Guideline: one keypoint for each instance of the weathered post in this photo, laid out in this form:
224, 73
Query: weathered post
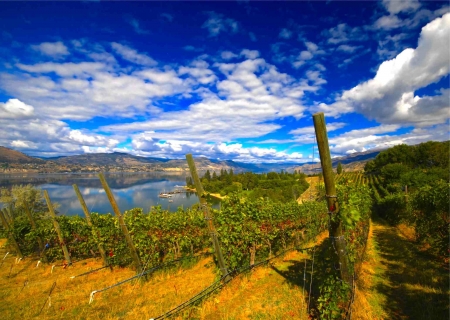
10, 233
89, 222
112, 200
207, 215
57, 228
33, 227
335, 231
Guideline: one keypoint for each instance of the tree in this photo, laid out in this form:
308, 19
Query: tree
207, 175
339, 168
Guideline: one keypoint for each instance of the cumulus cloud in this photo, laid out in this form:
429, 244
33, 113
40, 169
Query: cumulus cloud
132, 55
285, 34
384, 136
15, 109
217, 23
252, 95
344, 33
397, 6
311, 51
39, 136
347, 48
137, 26
389, 97
52, 49
310, 130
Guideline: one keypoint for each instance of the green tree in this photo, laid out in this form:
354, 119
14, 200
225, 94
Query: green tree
339, 168
207, 175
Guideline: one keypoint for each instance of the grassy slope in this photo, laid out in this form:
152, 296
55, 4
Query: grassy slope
267, 292
398, 281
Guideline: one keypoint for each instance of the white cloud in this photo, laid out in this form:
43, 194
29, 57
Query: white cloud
217, 23
388, 22
397, 6
132, 55
15, 109
389, 97
250, 54
347, 48
137, 26
167, 16
227, 55
285, 33
52, 49
344, 33
251, 96
310, 130
309, 54
383, 137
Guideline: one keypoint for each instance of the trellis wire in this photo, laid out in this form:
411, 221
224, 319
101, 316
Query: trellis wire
160, 266
220, 283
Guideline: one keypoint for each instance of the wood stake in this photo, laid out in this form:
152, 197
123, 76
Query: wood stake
10, 233
335, 231
207, 215
112, 200
57, 228
89, 222
33, 227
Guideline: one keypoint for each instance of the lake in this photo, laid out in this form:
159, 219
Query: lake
131, 190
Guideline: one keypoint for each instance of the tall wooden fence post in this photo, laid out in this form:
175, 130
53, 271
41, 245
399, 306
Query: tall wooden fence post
33, 227
207, 214
89, 222
10, 233
335, 231
112, 200
57, 228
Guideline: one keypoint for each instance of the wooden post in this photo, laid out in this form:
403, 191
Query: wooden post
57, 228
207, 215
89, 222
10, 233
134, 255
335, 231
33, 227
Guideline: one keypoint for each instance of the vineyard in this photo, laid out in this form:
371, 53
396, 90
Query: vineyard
310, 258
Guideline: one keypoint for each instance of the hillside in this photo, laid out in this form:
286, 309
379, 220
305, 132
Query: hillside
118, 162
106, 159
12, 156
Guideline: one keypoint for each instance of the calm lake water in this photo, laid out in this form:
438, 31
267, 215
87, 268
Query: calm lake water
131, 190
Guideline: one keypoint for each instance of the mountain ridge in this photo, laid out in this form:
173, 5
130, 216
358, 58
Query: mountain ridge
118, 161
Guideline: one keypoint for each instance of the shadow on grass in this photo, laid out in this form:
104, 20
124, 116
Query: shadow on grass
321, 268
414, 284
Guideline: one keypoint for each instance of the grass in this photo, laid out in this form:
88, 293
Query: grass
264, 293
396, 281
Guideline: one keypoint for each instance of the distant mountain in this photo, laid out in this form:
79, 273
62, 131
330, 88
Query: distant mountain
106, 159
121, 161
12, 156
352, 162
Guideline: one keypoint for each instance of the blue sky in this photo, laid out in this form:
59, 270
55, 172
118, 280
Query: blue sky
226, 80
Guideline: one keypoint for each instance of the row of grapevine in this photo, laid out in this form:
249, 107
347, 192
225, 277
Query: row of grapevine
263, 225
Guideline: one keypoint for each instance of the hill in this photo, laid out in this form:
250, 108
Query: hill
118, 161
12, 156
106, 159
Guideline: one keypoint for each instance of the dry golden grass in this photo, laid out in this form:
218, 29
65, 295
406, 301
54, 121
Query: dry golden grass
311, 192
366, 305
267, 292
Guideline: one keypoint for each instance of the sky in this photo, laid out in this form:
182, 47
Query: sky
237, 80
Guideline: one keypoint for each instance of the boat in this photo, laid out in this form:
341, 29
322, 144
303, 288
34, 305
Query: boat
165, 195
170, 200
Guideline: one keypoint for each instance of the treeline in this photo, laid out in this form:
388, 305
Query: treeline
280, 187
411, 185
